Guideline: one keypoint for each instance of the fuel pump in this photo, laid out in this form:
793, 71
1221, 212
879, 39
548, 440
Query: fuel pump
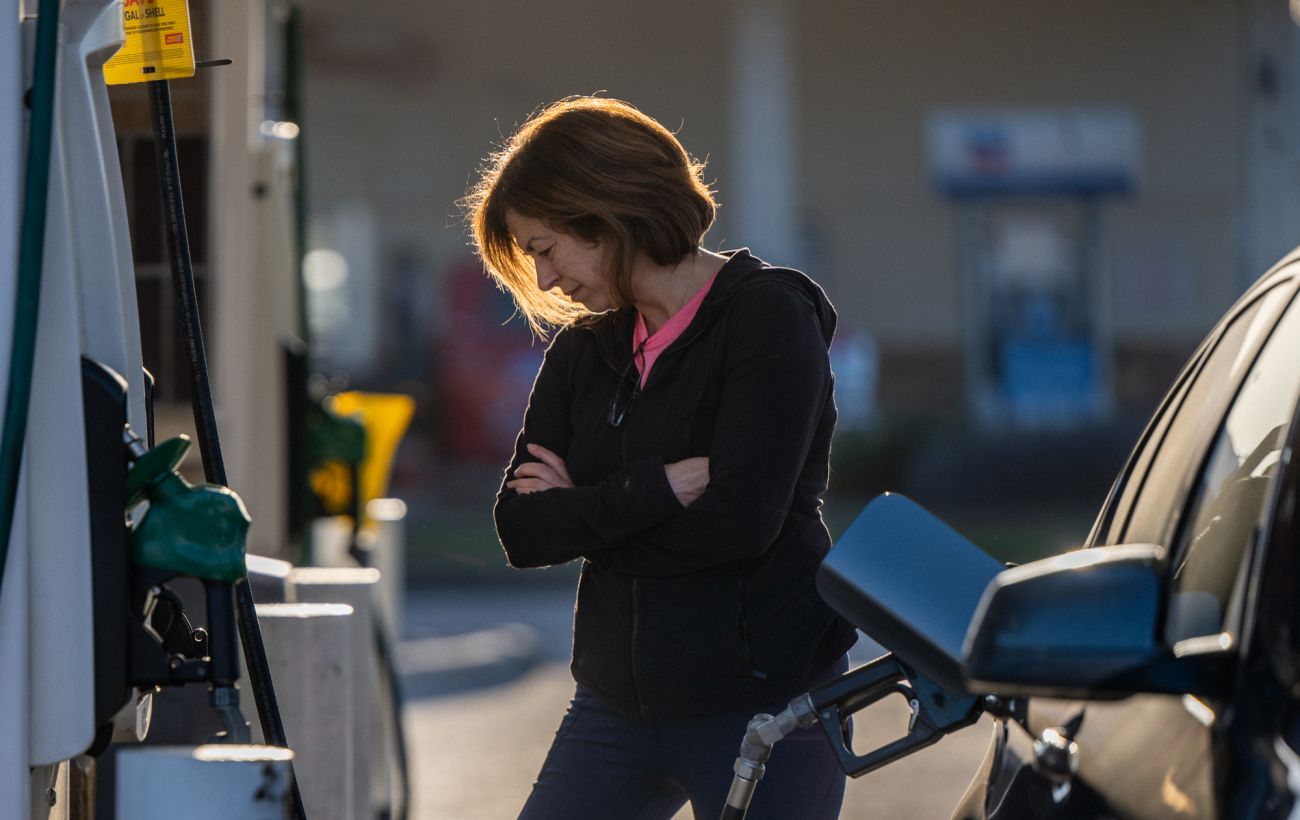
336, 448
97, 516
351, 438
178, 530
1029, 187
74, 381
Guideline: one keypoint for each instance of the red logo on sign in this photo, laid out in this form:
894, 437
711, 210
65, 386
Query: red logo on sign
173, 39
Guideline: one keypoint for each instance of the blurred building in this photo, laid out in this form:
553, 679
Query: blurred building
818, 124
814, 121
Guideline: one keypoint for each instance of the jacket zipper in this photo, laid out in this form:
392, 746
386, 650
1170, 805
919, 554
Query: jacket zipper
622, 440
637, 697
636, 681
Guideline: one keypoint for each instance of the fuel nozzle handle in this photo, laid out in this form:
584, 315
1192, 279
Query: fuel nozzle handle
935, 711
193, 530
198, 531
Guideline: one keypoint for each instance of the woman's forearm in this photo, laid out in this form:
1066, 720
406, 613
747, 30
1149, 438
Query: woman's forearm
561, 524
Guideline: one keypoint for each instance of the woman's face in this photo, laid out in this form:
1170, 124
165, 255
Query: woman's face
565, 262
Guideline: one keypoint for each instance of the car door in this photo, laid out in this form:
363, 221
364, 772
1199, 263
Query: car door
1199, 483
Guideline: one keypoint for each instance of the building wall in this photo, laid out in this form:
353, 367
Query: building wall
873, 71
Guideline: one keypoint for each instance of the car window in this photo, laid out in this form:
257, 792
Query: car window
1210, 558
1165, 469
1114, 513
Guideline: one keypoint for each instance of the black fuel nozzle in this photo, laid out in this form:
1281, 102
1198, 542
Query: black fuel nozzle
935, 711
165, 620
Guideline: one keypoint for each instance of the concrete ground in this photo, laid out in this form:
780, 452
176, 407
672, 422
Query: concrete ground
487, 681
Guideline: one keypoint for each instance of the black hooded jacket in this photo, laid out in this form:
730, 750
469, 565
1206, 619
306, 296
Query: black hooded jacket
709, 608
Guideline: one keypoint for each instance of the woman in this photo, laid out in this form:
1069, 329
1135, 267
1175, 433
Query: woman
677, 441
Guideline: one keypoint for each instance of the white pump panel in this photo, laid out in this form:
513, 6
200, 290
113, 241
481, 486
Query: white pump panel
87, 306
61, 694
110, 322
57, 538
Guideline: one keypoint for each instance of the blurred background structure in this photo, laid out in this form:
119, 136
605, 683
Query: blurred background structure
1026, 216
1026, 221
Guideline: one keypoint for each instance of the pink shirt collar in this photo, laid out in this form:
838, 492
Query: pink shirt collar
651, 346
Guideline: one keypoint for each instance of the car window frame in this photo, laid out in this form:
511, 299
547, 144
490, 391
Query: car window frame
1250, 561
1271, 627
1158, 424
1116, 517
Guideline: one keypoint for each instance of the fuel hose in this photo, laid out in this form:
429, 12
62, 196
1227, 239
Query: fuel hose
205, 421
31, 247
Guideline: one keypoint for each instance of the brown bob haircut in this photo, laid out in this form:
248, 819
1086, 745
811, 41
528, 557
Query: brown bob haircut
597, 169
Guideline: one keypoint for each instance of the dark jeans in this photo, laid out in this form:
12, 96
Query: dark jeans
604, 765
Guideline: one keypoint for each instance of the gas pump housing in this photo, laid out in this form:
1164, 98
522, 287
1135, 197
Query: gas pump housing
1029, 188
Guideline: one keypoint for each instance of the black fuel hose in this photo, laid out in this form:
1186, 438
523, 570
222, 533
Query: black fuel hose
205, 420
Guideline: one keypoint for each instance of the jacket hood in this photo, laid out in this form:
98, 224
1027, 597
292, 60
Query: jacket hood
744, 270
741, 271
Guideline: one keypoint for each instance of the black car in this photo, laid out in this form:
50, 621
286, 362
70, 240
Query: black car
1154, 673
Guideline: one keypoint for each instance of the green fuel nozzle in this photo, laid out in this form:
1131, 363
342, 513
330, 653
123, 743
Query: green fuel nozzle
333, 436
193, 530
198, 532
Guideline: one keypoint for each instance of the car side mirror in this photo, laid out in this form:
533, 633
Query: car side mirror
1085, 625
911, 582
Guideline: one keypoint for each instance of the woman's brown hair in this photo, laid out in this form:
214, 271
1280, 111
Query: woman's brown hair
594, 168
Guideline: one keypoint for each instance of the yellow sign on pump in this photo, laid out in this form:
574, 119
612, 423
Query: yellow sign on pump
386, 417
158, 44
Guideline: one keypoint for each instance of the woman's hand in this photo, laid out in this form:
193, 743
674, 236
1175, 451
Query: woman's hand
688, 478
546, 474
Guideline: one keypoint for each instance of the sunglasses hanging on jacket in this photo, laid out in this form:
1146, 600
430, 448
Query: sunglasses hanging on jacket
624, 397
